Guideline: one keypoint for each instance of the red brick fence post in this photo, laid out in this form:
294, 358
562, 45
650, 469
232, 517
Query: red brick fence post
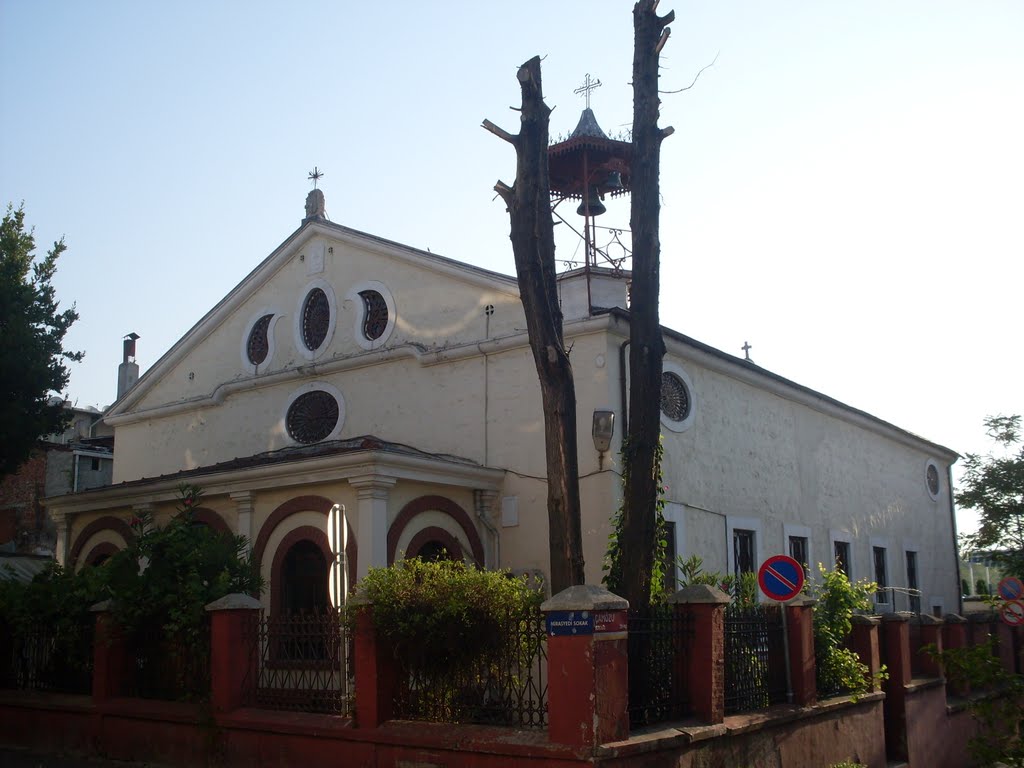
234, 645
588, 696
110, 662
376, 672
803, 673
896, 645
929, 633
864, 642
705, 658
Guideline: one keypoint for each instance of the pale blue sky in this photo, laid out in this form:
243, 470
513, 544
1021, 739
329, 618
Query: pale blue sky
843, 189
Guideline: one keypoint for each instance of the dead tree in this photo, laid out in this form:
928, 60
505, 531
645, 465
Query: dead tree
647, 347
533, 244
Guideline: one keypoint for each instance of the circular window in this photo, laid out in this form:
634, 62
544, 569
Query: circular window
312, 416
932, 479
375, 314
258, 345
675, 397
316, 319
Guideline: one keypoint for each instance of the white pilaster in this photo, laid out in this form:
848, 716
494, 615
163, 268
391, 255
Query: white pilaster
372, 492
244, 502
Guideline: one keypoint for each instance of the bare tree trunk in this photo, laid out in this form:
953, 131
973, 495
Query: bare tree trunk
533, 244
646, 344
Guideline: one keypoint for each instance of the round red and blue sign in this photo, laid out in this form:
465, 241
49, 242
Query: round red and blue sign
781, 578
1011, 588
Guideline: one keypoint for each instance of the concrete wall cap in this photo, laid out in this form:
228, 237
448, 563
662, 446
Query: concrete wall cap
898, 616
585, 597
860, 618
981, 617
234, 602
801, 601
699, 593
103, 606
954, 618
926, 619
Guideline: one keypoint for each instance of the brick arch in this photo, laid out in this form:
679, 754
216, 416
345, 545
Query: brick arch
210, 518
451, 544
302, 504
440, 504
103, 549
302, 533
107, 522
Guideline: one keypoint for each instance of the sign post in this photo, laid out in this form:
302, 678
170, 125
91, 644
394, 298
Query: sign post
781, 578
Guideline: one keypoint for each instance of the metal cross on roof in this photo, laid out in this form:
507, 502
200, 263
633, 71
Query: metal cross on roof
746, 349
587, 87
315, 175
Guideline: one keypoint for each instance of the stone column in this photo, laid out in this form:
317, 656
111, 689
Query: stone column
372, 492
930, 634
800, 630
704, 606
234, 645
375, 670
896, 644
588, 675
864, 642
110, 662
244, 503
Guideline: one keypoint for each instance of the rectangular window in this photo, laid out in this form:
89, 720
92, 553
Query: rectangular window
95, 465
881, 576
798, 551
915, 598
842, 557
743, 551
670, 557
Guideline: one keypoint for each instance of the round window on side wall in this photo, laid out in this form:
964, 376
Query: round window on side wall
932, 479
677, 400
315, 413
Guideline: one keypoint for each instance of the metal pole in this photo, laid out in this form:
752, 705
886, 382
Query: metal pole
785, 652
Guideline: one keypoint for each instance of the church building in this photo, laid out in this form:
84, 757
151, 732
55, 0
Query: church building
348, 371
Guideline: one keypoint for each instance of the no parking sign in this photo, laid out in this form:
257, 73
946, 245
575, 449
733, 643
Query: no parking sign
781, 578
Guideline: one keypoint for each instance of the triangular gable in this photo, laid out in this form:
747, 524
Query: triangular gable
263, 273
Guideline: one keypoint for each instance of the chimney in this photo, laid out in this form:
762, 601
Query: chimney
128, 370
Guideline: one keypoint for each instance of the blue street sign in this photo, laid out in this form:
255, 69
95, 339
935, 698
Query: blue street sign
570, 623
781, 578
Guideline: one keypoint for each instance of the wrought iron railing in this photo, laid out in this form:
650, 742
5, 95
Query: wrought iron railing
505, 686
303, 663
50, 657
169, 666
659, 641
755, 671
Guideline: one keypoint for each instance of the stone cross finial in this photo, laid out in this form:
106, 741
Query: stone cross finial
746, 349
315, 205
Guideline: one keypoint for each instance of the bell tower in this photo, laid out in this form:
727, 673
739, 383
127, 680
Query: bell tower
589, 166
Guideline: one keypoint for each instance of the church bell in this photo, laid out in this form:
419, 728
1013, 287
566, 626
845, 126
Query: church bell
591, 204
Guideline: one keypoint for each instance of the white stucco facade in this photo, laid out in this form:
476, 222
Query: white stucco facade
439, 433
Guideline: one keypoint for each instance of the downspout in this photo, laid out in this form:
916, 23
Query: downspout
956, 555
623, 402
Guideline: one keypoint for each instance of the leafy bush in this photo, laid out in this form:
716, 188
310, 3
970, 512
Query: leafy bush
166, 577
444, 613
839, 668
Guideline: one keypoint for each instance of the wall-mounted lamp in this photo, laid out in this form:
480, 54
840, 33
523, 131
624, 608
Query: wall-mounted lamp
604, 428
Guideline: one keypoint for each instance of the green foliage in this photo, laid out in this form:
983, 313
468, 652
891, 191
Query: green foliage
839, 668
168, 575
612, 566
964, 588
993, 485
997, 703
32, 329
444, 613
742, 590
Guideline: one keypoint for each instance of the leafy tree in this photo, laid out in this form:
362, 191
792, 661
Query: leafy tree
32, 354
993, 485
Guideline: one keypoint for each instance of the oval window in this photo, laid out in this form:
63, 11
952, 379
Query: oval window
316, 319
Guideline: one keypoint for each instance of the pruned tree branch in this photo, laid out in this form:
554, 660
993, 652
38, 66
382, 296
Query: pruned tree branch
501, 133
706, 66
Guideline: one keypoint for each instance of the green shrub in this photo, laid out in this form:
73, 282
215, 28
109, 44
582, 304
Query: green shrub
838, 668
445, 613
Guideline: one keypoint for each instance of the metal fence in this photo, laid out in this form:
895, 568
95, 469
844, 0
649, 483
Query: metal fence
505, 686
169, 667
49, 657
303, 663
659, 640
755, 665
